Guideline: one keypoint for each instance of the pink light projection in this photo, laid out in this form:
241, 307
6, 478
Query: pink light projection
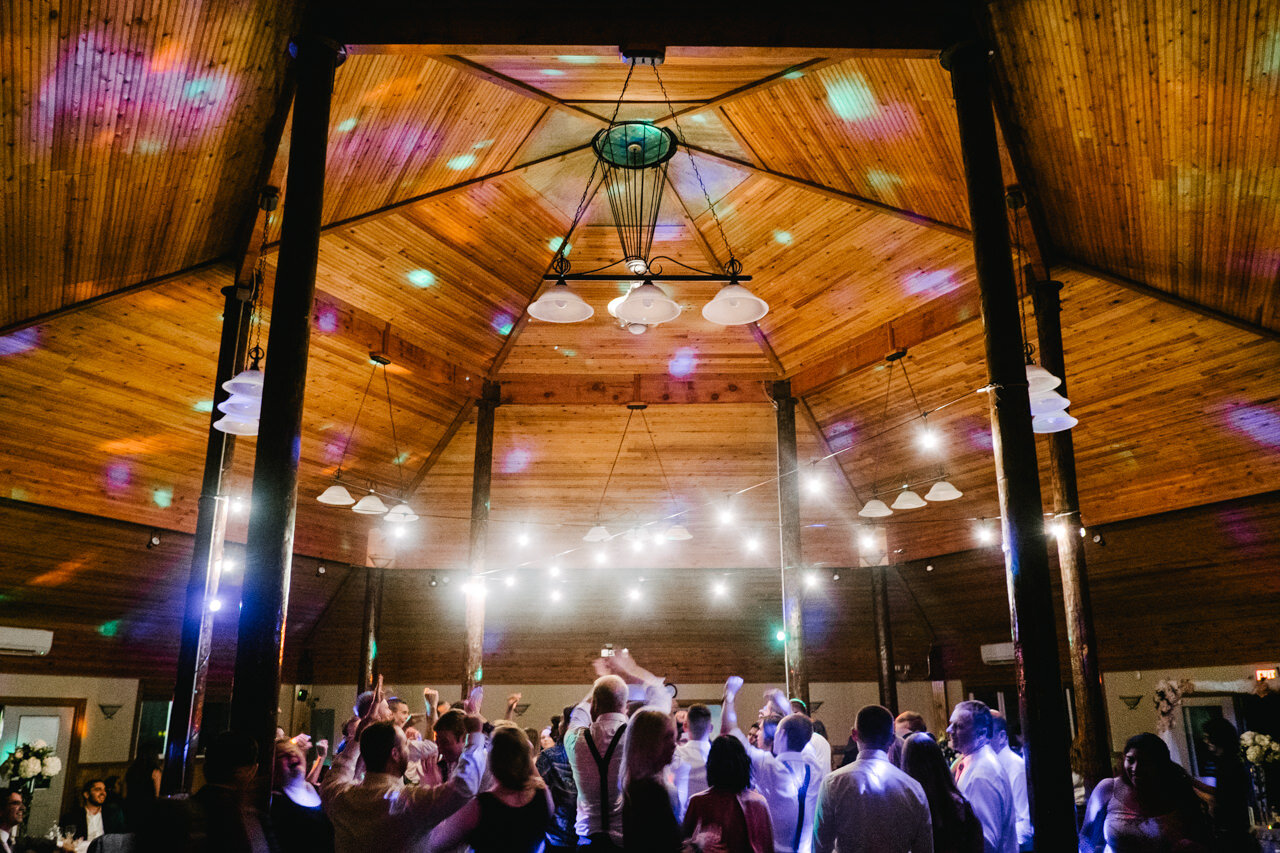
516, 460
95, 75
683, 362
117, 476
1260, 423
931, 282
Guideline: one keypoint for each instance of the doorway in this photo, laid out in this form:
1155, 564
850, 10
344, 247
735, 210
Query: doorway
57, 722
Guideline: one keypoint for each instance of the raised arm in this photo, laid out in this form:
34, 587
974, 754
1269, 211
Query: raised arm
322, 750
728, 710
655, 692
431, 698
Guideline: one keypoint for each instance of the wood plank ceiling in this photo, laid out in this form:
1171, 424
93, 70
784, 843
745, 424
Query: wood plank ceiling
451, 178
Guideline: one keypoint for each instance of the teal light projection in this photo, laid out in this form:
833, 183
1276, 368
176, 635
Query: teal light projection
851, 98
462, 161
202, 406
347, 125
162, 497
421, 278
783, 237
579, 60
555, 243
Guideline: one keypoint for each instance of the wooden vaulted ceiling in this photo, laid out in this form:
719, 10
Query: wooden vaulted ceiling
136, 140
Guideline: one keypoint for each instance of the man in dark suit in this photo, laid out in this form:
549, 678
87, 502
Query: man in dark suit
94, 817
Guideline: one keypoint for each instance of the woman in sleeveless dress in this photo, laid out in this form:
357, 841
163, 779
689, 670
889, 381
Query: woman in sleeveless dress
729, 817
1149, 807
955, 827
512, 816
649, 822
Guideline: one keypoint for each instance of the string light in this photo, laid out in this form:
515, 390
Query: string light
726, 516
752, 544
555, 595
215, 604
601, 557
239, 505
633, 594
522, 539
811, 579
985, 535
554, 571
509, 580
929, 439
867, 540
813, 484
719, 589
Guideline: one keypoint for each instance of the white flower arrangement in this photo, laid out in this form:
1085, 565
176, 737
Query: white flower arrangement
31, 761
1259, 749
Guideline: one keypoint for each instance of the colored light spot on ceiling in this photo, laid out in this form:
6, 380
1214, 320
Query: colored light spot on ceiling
793, 75
933, 282
783, 237
20, 341
851, 98
569, 353
17, 494
197, 88
483, 143
981, 439
682, 362
841, 435
118, 475
516, 460
555, 242
202, 406
1258, 422
1268, 57
327, 320
162, 498
149, 146
503, 324
346, 125
401, 459
553, 72
109, 629
698, 118
579, 60
462, 161
421, 278
885, 183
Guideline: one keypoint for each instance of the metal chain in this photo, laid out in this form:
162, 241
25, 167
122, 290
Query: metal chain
395, 442
694, 163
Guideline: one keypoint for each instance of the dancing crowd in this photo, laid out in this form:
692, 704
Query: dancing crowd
625, 770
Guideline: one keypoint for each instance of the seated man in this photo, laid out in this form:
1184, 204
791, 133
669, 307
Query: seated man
94, 818
381, 811
788, 776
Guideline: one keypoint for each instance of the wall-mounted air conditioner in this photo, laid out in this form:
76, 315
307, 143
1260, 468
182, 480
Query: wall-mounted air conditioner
996, 654
29, 642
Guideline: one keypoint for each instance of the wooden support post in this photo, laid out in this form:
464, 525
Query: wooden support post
482, 474
1093, 741
1044, 717
792, 559
269, 552
884, 638
187, 710
368, 674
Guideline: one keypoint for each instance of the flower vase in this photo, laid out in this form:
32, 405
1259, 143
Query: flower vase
1261, 806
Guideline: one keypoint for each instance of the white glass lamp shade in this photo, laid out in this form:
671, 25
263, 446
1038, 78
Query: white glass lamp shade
560, 305
943, 491
336, 495
242, 406
1052, 423
875, 508
678, 533
908, 499
1039, 379
401, 513
235, 425
599, 533
734, 305
1048, 403
370, 504
246, 382
647, 304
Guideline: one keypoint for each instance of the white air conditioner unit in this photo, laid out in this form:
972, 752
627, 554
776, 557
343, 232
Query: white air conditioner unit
996, 654
28, 642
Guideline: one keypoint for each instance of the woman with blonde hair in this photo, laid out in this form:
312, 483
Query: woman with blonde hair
299, 821
513, 815
649, 822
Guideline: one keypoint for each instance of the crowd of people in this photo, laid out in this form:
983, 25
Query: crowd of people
624, 770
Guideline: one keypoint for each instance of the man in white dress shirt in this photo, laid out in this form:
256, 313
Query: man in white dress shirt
981, 779
690, 766
870, 806
11, 817
1015, 767
381, 811
788, 777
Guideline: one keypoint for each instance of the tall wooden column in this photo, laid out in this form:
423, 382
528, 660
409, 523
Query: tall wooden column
481, 477
1044, 718
1092, 736
269, 553
884, 638
792, 560
206, 559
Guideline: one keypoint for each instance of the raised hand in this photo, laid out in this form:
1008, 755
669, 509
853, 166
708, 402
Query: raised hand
474, 701
322, 748
732, 685
304, 741
431, 697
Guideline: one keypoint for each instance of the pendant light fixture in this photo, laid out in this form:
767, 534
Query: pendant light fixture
907, 499
676, 532
875, 508
371, 503
632, 158
241, 411
598, 532
943, 491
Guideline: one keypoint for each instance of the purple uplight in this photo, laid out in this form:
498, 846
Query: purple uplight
931, 282
327, 320
20, 341
981, 439
1239, 527
1260, 423
683, 362
503, 323
118, 475
516, 460
841, 435
333, 449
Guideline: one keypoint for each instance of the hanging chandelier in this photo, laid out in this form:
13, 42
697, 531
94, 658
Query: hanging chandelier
242, 410
632, 158
371, 503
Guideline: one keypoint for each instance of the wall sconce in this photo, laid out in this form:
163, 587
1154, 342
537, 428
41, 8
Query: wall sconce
109, 711
1131, 702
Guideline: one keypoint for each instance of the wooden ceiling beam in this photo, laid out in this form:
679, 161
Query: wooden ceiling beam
484, 72
929, 25
911, 329
603, 390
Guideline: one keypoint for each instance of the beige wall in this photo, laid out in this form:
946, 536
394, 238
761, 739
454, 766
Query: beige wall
103, 740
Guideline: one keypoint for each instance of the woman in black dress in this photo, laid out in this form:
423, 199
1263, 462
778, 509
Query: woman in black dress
955, 827
300, 825
511, 817
649, 822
